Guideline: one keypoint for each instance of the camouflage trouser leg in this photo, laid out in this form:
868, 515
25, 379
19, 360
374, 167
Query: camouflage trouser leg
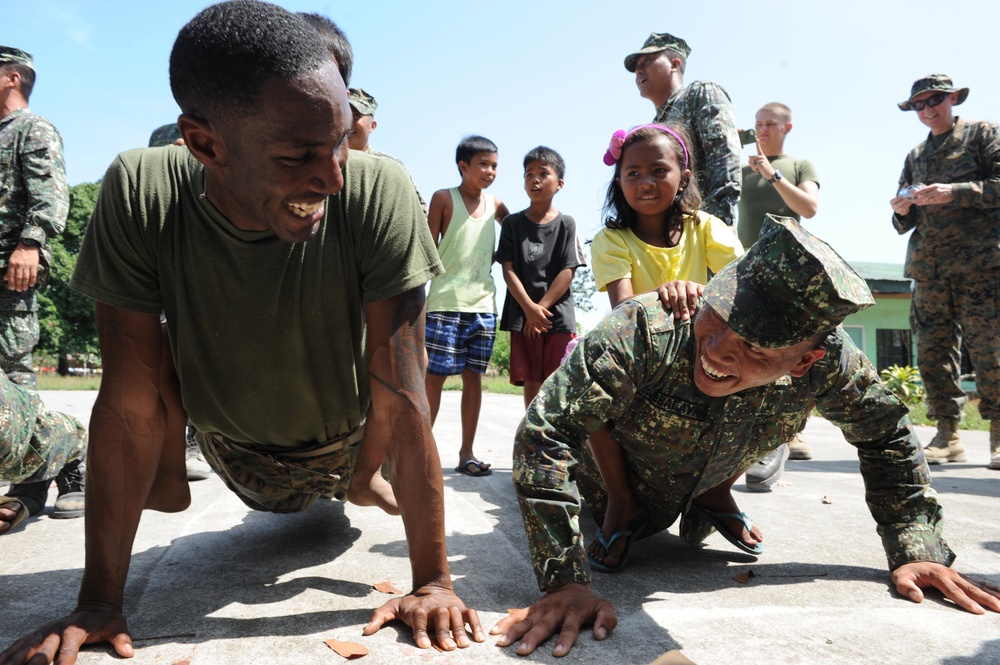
35, 444
18, 338
979, 308
935, 321
273, 482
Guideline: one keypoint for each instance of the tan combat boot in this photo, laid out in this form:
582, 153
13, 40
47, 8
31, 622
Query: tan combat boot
945, 446
994, 445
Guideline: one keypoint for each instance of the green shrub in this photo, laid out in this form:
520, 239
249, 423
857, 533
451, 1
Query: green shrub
905, 383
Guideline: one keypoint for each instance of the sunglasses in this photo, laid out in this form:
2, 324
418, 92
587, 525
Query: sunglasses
930, 101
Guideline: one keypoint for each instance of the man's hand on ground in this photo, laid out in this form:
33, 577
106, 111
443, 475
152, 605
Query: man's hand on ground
430, 609
566, 609
681, 298
972, 595
60, 641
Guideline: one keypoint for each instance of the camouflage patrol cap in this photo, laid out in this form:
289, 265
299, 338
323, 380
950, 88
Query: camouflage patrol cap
15, 56
658, 41
788, 287
165, 135
933, 83
362, 102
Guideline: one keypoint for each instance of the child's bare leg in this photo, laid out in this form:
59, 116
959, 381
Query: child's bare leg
472, 401
434, 384
368, 487
622, 506
720, 499
531, 389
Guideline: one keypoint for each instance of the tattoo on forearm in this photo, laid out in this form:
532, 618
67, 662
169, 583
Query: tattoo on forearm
406, 348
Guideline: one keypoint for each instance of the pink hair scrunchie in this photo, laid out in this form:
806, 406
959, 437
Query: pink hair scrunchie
614, 151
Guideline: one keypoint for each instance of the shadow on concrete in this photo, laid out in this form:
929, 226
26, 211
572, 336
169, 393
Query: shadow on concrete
988, 654
174, 591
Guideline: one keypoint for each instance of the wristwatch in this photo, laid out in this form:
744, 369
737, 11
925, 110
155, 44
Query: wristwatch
30, 242
776, 178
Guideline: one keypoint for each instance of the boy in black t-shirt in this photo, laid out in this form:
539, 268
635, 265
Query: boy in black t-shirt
539, 251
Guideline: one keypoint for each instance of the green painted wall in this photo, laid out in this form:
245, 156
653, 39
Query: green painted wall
886, 314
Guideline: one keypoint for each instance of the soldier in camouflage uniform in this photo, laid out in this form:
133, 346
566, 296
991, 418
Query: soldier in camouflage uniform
34, 201
691, 404
704, 108
35, 445
363, 108
953, 257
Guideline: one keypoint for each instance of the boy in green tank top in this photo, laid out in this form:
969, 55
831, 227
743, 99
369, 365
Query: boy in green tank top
461, 312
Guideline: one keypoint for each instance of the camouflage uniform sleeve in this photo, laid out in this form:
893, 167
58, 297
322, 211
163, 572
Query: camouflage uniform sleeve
712, 119
904, 223
594, 385
983, 193
44, 174
897, 482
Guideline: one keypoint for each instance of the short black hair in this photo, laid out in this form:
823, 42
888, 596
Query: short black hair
27, 75
336, 43
470, 145
226, 53
548, 156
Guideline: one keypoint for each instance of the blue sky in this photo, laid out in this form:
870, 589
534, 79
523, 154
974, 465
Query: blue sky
530, 73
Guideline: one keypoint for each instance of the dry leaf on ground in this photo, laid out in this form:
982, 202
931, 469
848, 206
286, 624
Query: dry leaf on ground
744, 577
348, 650
827, 499
387, 587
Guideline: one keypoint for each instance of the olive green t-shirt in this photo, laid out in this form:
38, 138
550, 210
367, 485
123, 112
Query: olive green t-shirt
759, 197
268, 336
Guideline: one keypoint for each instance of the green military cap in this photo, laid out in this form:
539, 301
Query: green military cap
933, 83
362, 102
164, 135
788, 287
15, 56
658, 41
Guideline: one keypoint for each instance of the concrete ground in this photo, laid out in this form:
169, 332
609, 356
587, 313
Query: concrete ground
221, 584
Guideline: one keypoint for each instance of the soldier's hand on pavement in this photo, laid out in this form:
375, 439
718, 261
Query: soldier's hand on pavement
431, 609
681, 297
911, 578
567, 609
22, 268
60, 641
935, 194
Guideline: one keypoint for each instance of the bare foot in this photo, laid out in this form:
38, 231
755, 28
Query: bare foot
721, 500
8, 513
378, 492
618, 516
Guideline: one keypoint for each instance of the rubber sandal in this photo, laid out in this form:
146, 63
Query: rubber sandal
19, 517
483, 470
632, 529
715, 519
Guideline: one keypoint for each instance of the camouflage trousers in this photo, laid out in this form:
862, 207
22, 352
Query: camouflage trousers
18, 338
35, 444
282, 480
944, 314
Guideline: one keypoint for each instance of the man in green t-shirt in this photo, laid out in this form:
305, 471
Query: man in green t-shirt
292, 278
777, 184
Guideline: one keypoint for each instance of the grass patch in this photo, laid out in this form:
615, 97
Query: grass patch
491, 384
49, 381
972, 420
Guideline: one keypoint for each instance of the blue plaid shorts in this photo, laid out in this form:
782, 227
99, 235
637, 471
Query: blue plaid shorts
459, 340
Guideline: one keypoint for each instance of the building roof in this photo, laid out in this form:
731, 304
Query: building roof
883, 277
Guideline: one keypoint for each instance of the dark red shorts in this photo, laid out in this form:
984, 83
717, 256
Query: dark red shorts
533, 359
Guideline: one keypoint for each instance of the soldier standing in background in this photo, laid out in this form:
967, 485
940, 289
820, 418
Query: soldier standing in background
704, 108
953, 257
34, 201
363, 108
